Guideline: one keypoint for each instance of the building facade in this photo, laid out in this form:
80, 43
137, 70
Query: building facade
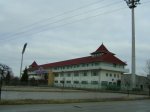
142, 82
100, 69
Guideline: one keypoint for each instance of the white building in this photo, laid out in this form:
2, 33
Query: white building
100, 69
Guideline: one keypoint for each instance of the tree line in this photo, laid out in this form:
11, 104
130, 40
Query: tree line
7, 77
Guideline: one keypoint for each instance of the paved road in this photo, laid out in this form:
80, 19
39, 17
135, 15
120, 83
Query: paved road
120, 106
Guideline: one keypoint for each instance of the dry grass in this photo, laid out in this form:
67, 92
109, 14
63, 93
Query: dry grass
30, 101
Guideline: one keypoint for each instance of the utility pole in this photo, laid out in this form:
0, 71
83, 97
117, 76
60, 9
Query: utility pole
132, 4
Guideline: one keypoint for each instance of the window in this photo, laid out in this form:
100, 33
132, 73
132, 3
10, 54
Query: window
83, 65
104, 83
68, 74
55, 68
84, 73
110, 75
94, 82
94, 73
61, 75
76, 82
110, 83
56, 81
76, 74
68, 82
96, 64
106, 74
114, 65
62, 81
56, 74
114, 75
84, 82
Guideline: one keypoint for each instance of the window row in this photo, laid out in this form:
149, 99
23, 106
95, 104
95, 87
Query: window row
77, 82
76, 74
112, 75
106, 83
77, 66
103, 83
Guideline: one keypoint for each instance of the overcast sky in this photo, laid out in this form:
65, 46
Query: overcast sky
57, 30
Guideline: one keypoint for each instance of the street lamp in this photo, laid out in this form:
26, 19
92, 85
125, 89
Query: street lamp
23, 50
132, 4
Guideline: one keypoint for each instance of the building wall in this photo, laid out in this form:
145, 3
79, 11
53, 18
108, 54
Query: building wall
141, 82
91, 75
87, 78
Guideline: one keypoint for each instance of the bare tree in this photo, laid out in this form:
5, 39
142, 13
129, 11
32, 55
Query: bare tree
147, 67
3, 70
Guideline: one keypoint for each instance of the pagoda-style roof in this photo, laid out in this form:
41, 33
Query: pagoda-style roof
101, 49
34, 64
105, 56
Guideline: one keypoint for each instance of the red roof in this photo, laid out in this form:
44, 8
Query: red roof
110, 58
34, 64
105, 57
101, 49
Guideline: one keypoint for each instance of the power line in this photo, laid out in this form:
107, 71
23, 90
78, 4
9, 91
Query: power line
28, 30
59, 15
45, 29
104, 13
64, 19
67, 12
84, 13
100, 14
